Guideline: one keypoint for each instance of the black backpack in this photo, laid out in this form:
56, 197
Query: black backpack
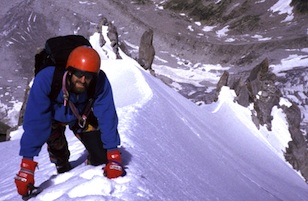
55, 53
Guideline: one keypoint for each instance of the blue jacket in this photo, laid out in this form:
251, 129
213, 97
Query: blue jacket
40, 112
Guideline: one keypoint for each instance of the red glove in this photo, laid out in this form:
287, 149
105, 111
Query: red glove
24, 180
114, 166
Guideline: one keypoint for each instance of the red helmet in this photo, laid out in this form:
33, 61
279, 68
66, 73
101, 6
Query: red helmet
84, 58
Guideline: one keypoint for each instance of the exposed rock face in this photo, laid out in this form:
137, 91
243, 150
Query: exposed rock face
300, 5
263, 92
3, 131
259, 88
112, 35
146, 50
223, 81
297, 153
102, 22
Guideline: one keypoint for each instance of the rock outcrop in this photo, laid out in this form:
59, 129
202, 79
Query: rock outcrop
300, 5
112, 34
146, 50
260, 90
296, 153
3, 131
223, 81
113, 37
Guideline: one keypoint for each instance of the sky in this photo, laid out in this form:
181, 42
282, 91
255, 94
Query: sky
172, 149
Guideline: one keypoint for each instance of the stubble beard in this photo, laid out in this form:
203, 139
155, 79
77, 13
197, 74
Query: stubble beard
79, 87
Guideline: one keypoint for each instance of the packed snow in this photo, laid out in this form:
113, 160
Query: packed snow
283, 7
171, 148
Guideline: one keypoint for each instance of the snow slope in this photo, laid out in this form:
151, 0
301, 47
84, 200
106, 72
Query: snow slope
173, 150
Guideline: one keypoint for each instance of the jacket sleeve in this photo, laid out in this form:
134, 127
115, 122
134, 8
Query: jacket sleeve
38, 115
105, 112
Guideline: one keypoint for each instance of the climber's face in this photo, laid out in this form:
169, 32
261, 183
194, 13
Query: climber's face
80, 81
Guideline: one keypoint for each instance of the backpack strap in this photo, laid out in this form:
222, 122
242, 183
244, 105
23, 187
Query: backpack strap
91, 96
56, 83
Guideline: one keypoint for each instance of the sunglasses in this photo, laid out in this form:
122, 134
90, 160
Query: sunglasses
80, 74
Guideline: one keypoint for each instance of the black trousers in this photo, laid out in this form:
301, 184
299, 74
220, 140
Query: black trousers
90, 137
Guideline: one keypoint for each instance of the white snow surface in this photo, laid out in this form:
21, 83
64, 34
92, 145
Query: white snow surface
172, 149
283, 7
